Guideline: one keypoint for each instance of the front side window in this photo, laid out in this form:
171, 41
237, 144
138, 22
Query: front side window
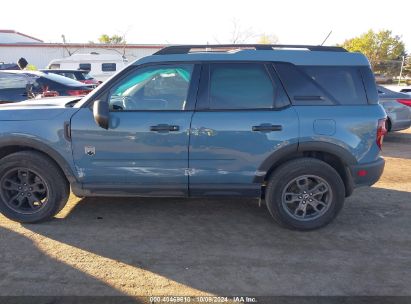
156, 88
240, 86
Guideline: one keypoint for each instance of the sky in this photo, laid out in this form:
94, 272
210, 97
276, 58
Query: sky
201, 22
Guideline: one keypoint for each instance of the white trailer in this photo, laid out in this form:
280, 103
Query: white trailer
100, 66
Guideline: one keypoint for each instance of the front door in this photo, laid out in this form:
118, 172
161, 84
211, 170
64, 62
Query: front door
145, 149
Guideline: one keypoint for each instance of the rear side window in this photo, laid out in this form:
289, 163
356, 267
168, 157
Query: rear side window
108, 67
240, 86
322, 85
85, 66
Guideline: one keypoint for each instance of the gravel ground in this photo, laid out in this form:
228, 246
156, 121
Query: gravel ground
142, 247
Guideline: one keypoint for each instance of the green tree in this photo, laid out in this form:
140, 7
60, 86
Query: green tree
115, 39
377, 46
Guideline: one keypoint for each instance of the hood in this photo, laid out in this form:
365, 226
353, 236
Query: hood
37, 109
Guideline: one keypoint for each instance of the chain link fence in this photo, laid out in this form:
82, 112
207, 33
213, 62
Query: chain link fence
392, 72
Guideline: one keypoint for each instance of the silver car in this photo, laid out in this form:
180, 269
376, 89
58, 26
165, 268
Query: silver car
399, 114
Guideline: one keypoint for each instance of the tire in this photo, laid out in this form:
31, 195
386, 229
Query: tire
291, 207
32, 187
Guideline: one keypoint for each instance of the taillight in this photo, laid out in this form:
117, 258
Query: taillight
381, 131
50, 94
47, 93
406, 102
78, 92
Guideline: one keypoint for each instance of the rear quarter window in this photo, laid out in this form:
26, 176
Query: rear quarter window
322, 85
343, 83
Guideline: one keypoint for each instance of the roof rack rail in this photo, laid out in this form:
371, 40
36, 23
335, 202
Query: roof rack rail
185, 49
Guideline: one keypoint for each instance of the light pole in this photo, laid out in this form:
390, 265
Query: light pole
402, 66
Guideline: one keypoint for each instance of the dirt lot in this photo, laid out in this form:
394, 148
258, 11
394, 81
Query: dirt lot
191, 247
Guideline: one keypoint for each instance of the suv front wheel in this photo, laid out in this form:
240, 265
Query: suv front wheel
305, 194
32, 187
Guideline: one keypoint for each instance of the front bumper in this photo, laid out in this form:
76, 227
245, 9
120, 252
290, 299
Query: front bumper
367, 174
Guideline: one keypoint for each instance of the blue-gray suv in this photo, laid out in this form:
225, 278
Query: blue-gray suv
298, 127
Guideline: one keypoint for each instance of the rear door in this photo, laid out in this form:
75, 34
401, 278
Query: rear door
242, 117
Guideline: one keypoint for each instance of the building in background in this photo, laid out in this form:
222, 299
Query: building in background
14, 45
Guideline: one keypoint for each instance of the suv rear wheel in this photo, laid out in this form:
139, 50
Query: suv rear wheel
32, 187
305, 194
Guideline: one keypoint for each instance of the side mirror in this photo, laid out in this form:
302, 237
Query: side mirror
101, 113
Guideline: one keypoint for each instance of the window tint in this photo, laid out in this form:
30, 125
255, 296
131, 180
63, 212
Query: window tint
369, 84
343, 83
108, 67
85, 66
162, 87
12, 81
240, 86
300, 87
322, 85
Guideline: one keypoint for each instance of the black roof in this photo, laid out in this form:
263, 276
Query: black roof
184, 49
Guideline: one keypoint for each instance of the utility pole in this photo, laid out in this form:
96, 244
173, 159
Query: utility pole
402, 67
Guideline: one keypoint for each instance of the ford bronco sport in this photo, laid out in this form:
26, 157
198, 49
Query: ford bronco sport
298, 127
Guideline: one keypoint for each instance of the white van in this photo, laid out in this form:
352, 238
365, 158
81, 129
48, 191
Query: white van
100, 66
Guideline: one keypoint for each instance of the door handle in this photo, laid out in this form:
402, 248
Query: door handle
267, 128
164, 128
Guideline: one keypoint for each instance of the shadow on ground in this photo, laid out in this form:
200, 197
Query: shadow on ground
28, 272
232, 247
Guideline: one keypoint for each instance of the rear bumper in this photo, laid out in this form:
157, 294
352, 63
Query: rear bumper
367, 174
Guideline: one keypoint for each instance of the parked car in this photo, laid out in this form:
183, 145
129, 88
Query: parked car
382, 79
299, 129
398, 108
100, 66
79, 75
8, 66
17, 86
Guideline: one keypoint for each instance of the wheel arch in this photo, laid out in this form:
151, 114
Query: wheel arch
336, 156
15, 144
